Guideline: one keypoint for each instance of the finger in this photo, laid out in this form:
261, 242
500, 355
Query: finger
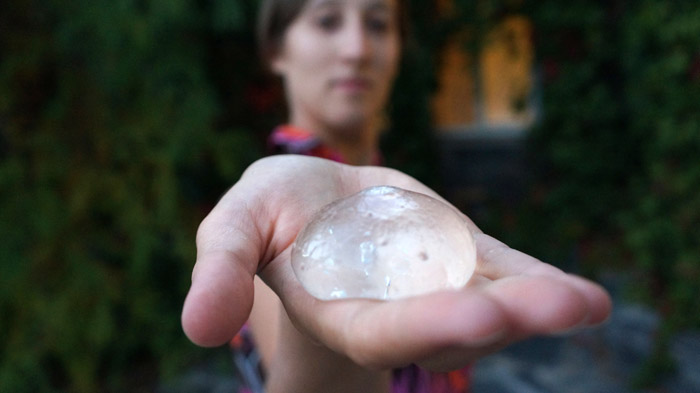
598, 299
219, 300
497, 261
380, 334
229, 248
412, 330
534, 305
252, 223
539, 305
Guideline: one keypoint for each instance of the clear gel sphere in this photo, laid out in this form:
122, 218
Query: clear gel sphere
384, 243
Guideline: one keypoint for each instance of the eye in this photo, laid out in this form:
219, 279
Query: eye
328, 22
379, 24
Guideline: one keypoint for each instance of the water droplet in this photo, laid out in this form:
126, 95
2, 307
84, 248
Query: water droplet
384, 243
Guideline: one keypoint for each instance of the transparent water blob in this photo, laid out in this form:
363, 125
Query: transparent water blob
384, 243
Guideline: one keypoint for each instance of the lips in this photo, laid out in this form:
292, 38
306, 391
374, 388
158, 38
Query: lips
353, 84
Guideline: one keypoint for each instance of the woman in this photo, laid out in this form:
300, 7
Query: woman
338, 59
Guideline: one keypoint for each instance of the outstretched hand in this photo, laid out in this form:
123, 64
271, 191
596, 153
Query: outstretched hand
511, 296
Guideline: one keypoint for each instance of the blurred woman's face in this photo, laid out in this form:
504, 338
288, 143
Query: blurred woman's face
338, 60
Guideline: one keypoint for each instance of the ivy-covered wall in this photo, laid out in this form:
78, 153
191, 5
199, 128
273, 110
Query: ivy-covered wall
615, 176
619, 141
121, 123
619, 179
661, 59
114, 143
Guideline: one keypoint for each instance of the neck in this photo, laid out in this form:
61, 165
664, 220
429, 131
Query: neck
357, 155
357, 145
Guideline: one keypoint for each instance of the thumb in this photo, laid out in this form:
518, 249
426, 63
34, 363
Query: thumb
229, 248
219, 300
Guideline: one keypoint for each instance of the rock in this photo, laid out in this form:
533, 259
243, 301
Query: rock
685, 351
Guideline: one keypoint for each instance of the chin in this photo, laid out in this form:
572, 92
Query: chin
354, 118
351, 124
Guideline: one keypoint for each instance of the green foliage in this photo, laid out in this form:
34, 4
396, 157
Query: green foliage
587, 154
619, 138
617, 149
662, 64
121, 122
110, 155
410, 123
617, 183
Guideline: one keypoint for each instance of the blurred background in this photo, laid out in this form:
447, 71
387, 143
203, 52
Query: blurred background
570, 130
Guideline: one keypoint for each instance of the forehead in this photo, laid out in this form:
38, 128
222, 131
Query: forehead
365, 4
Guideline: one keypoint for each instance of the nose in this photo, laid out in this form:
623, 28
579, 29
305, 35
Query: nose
355, 44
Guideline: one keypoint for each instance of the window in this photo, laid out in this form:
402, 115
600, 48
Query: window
492, 92
482, 110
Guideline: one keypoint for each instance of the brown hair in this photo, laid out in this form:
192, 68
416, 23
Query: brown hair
275, 16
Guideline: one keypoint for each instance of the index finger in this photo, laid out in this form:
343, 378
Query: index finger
497, 261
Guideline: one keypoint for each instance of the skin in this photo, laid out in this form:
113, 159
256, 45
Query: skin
351, 343
338, 61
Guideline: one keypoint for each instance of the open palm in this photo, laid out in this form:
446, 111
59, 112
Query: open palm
512, 296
